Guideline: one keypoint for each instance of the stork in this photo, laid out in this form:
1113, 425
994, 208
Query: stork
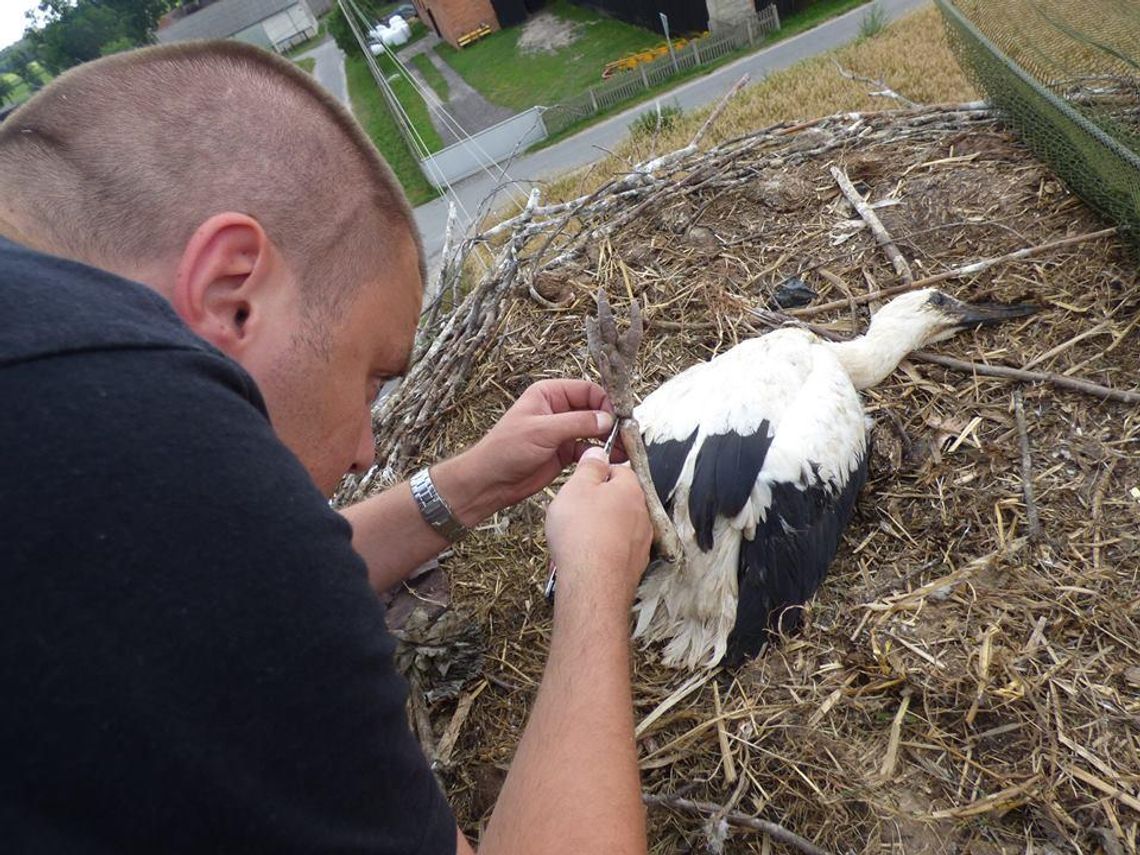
757, 457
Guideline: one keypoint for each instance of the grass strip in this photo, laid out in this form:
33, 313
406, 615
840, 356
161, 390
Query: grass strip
432, 75
374, 116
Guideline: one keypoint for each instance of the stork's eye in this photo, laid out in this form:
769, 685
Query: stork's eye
937, 299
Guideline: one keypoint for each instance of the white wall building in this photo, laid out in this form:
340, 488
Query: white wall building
273, 24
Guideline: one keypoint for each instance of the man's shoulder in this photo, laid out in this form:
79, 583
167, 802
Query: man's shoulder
52, 306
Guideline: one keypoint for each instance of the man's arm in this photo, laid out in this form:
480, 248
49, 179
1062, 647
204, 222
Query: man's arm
573, 785
391, 534
525, 451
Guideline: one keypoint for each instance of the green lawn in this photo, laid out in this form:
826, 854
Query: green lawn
372, 112
432, 75
494, 66
308, 64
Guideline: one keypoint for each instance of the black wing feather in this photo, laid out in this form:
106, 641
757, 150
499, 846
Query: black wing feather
666, 460
723, 478
787, 560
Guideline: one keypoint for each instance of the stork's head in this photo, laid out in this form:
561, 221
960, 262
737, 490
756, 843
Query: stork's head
930, 315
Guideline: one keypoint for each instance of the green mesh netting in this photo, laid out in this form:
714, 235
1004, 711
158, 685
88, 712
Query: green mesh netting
1067, 75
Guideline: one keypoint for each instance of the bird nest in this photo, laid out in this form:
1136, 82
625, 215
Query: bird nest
968, 677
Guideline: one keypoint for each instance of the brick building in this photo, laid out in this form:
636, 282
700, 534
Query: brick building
454, 19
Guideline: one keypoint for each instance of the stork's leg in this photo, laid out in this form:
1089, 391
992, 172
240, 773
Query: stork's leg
615, 356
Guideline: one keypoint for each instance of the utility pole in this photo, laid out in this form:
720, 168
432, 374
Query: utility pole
668, 40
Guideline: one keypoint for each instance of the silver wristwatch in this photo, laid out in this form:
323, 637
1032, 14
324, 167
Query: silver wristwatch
434, 509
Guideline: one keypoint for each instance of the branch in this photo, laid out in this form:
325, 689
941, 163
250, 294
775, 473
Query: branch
715, 114
954, 273
874, 223
775, 831
885, 91
1095, 389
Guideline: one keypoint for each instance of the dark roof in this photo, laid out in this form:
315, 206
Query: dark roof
222, 19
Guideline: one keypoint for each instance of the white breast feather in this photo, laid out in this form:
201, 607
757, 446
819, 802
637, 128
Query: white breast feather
815, 416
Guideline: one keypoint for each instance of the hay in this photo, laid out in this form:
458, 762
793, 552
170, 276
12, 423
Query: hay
956, 686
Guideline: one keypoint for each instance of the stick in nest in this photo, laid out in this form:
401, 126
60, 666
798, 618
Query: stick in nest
615, 355
874, 223
1026, 468
775, 831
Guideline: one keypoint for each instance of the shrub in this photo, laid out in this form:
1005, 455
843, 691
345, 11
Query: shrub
656, 120
874, 21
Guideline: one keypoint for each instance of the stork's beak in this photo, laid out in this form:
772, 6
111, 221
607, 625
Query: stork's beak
966, 315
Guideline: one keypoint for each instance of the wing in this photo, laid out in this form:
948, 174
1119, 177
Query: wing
786, 561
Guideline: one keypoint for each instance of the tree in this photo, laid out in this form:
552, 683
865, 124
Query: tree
337, 27
6, 88
68, 32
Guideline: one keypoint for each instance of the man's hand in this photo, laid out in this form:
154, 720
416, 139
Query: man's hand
599, 534
531, 444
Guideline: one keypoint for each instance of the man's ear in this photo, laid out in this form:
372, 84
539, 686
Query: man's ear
227, 278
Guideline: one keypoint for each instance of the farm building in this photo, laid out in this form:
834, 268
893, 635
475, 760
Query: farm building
272, 24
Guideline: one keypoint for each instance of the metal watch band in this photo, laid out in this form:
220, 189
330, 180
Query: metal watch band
434, 509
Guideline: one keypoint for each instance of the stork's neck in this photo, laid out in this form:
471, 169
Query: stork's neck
869, 358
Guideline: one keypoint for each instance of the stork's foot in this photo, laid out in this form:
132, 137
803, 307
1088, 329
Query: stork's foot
615, 355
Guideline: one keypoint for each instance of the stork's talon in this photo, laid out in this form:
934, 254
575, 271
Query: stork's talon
615, 355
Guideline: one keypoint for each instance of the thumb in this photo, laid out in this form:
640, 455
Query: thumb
593, 467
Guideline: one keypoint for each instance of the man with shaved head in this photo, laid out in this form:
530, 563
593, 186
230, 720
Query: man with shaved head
206, 274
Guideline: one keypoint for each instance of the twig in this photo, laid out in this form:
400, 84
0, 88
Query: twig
874, 223
955, 273
885, 91
1026, 468
722, 737
774, 830
1089, 388
1098, 509
718, 109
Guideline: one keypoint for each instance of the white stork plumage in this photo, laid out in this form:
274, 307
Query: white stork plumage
758, 456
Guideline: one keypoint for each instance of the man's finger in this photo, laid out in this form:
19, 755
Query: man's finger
563, 427
593, 467
567, 395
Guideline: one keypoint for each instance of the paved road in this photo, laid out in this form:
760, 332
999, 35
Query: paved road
329, 70
592, 143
